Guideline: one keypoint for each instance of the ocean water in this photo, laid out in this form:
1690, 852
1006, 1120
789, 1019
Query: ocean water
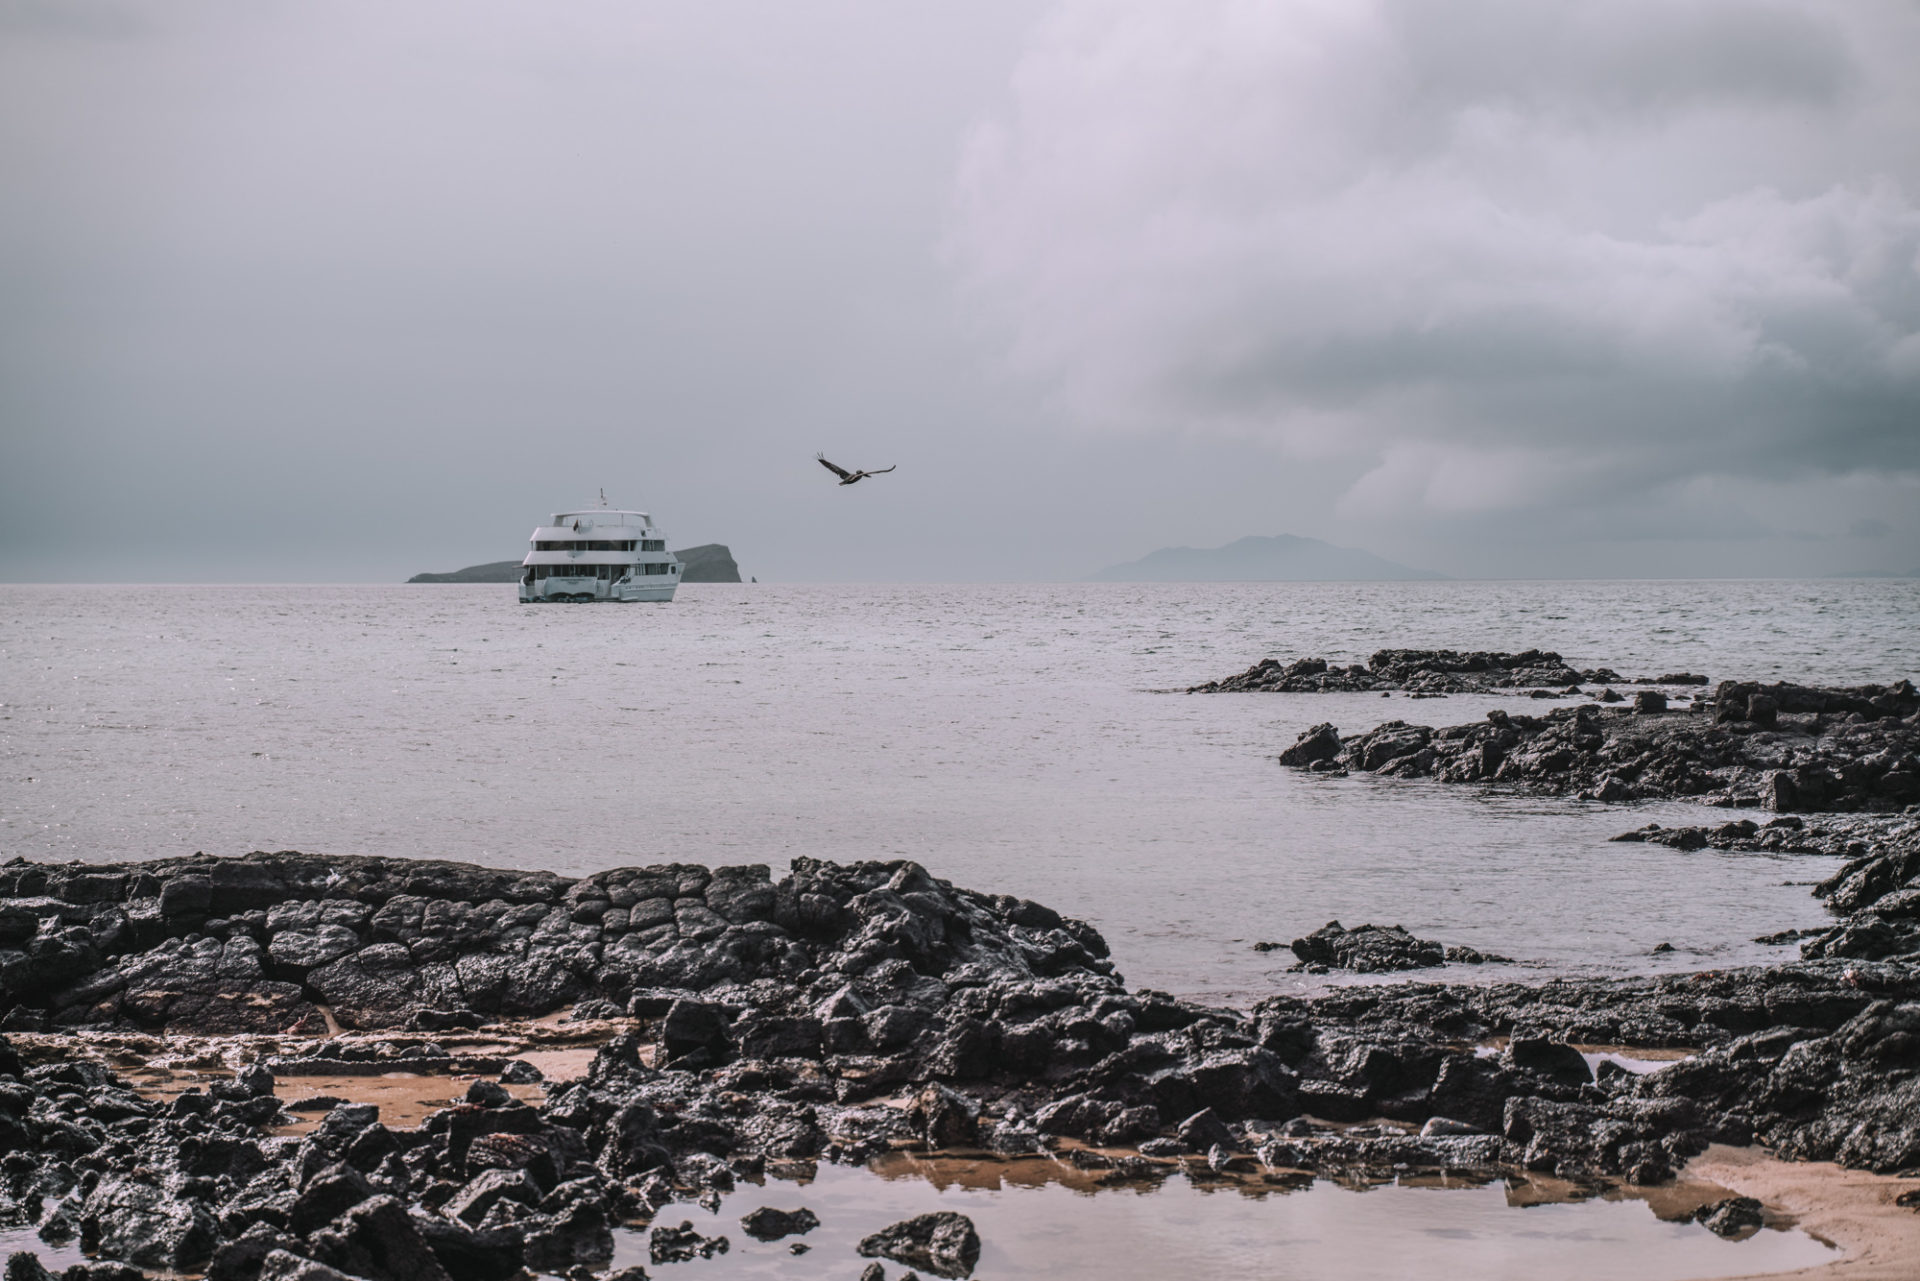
1010, 738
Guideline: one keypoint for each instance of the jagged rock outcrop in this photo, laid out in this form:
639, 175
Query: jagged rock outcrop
945, 1243
1428, 671
260, 943
1375, 949
1785, 747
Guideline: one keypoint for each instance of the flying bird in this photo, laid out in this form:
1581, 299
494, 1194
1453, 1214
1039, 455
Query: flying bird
849, 477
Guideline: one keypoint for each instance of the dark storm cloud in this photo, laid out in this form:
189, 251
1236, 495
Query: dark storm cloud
1514, 255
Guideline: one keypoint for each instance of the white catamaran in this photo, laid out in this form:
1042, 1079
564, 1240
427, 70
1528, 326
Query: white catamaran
599, 554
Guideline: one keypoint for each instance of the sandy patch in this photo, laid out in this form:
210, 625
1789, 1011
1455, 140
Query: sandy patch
162, 1066
1851, 1209
405, 1099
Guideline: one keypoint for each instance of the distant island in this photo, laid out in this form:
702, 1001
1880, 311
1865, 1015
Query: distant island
707, 563
1281, 558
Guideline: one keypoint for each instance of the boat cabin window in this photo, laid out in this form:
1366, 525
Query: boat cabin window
605, 573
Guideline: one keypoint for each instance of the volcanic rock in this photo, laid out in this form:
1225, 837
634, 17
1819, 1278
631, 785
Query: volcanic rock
945, 1243
968, 1004
1846, 750
1367, 949
769, 1224
1425, 671
678, 1245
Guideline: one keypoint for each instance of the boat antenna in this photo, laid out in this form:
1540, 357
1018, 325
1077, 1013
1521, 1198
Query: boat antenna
603, 496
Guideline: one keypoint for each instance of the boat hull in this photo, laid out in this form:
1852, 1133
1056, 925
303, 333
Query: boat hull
587, 593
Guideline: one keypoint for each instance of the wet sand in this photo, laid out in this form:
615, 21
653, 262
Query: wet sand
163, 1067
405, 1099
1852, 1209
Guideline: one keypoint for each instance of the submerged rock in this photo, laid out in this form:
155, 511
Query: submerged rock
945, 1244
1367, 949
1736, 1216
768, 1224
678, 1245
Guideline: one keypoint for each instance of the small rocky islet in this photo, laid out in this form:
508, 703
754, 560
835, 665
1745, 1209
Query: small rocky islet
1374, 949
749, 1026
1783, 747
1429, 672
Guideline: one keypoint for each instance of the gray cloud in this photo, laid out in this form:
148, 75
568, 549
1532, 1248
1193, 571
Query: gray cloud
378, 284
1588, 64
1514, 256
358, 289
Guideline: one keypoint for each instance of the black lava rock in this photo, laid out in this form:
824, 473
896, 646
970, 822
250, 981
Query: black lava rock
768, 1224
945, 1244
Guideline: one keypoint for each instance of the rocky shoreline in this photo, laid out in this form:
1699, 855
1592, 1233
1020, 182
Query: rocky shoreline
837, 1014
1782, 746
740, 1025
1851, 755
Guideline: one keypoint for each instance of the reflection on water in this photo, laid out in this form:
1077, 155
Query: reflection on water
1042, 1217
55, 1258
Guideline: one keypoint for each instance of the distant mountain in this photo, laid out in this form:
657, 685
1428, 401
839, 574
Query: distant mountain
1282, 558
707, 563
1877, 573
494, 571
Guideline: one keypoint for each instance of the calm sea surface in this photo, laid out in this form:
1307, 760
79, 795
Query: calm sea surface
1011, 738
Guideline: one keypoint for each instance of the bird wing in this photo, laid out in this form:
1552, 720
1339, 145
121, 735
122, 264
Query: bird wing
841, 472
882, 470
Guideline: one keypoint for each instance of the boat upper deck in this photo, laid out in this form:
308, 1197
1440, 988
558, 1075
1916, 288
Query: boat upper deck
607, 521
600, 536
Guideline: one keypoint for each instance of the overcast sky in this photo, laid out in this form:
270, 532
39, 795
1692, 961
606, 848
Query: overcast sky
346, 291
